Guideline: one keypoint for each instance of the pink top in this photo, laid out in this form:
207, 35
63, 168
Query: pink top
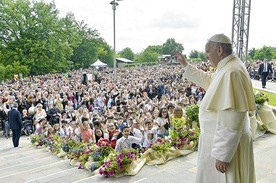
87, 135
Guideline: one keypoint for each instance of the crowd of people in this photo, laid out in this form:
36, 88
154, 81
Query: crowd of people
140, 101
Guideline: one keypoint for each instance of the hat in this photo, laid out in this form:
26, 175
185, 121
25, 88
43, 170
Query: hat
39, 105
220, 38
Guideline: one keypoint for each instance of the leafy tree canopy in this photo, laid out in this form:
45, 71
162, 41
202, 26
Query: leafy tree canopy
127, 53
171, 46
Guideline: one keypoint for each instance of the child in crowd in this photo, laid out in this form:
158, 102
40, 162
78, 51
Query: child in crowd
150, 134
137, 127
97, 125
86, 132
40, 126
170, 110
126, 141
112, 134
58, 130
178, 119
99, 134
163, 123
76, 133
50, 132
67, 129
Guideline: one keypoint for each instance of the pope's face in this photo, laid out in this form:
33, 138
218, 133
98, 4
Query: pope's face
211, 51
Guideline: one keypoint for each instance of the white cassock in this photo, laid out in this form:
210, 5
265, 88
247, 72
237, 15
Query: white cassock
224, 122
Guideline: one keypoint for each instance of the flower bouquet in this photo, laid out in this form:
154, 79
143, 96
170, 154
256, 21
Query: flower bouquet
85, 154
185, 139
161, 145
98, 154
159, 152
118, 164
76, 152
68, 145
34, 139
56, 145
181, 143
37, 140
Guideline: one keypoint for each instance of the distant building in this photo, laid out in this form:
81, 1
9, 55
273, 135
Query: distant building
168, 59
164, 58
122, 62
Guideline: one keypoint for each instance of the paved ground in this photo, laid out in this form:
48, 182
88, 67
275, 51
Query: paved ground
270, 86
30, 165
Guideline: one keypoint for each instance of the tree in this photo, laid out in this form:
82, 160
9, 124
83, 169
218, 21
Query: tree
105, 52
198, 55
156, 48
171, 46
148, 56
86, 52
127, 53
33, 35
264, 53
251, 54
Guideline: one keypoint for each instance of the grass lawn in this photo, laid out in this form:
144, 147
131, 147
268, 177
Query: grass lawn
271, 96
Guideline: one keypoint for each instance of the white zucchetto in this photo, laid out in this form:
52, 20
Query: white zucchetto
220, 38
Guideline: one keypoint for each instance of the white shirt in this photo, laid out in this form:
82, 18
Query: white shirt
149, 137
126, 143
161, 122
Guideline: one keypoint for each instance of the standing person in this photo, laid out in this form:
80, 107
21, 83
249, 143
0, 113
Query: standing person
15, 121
225, 152
264, 70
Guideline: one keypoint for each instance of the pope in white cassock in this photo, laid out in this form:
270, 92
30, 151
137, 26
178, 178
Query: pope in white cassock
225, 152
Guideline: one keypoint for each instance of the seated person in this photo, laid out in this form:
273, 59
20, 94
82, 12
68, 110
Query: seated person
150, 134
126, 141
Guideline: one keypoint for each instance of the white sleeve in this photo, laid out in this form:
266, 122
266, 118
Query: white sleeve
135, 139
105, 135
230, 125
197, 76
118, 146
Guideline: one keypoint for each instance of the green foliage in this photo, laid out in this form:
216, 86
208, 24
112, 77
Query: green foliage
171, 46
251, 53
260, 98
127, 53
161, 145
148, 56
118, 163
32, 35
192, 114
197, 55
105, 53
10, 70
155, 48
265, 52
271, 96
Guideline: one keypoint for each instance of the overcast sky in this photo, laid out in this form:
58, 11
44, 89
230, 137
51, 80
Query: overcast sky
140, 23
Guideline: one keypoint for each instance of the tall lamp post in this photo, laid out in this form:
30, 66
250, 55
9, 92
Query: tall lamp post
114, 4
